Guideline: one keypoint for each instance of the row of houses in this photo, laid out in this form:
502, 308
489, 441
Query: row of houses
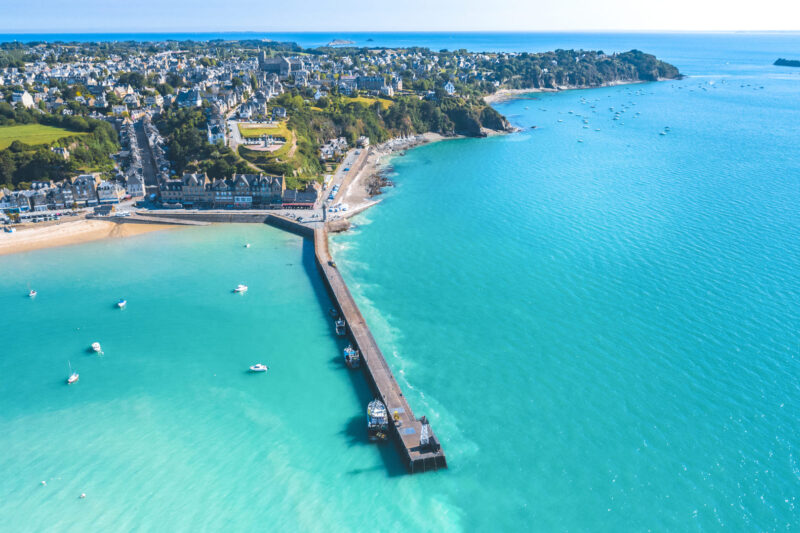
242, 191
87, 190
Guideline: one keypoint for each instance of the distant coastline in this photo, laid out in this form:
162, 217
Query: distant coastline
787, 62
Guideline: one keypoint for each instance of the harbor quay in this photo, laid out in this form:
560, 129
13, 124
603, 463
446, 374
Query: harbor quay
418, 446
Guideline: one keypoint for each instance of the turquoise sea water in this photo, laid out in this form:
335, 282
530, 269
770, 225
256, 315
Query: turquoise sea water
603, 334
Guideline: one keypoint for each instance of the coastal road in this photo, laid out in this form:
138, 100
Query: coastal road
348, 169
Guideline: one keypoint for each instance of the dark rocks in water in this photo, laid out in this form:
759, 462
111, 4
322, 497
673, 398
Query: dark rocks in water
336, 226
376, 183
787, 62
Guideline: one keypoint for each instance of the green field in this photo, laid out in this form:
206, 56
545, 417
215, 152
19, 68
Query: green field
281, 130
32, 134
369, 101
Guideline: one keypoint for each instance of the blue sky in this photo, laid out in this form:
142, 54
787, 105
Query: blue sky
102, 16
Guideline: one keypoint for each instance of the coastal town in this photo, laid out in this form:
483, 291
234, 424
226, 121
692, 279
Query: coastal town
242, 124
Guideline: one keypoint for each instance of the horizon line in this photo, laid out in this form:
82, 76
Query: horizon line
376, 32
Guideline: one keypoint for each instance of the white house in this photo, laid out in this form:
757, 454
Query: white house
134, 186
109, 192
216, 132
22, 98
449, 88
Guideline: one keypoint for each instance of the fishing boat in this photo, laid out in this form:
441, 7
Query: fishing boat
73, 376
32, 293
240, 288
259, 368
122, 303
341, 327
377, 420
351, 357
96, 347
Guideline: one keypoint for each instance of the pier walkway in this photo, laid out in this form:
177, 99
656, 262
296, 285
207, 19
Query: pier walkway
408, 430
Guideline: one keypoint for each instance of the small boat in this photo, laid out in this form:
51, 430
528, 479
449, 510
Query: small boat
247, 245
663, 133
259, 368
96, 347
240, 288
351, 357
73, 376
334, 313
32, 293
341, 327
122, 303
377, 420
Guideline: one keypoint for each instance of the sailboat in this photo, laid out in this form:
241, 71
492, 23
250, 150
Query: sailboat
73, 376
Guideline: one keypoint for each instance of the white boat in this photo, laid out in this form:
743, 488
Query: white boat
240, 288
259, 368
341, 327
122, 303
73, 376
247, 245
96, 347
377, 420
32, 293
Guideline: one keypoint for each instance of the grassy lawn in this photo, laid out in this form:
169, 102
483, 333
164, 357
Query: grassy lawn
281, 130
32, 134
369, 101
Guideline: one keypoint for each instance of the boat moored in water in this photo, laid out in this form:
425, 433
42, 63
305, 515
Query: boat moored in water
341, 327
240, 288
32, 293
96, 347
73, 376
377, 420
351, 357
259, 368
122, 303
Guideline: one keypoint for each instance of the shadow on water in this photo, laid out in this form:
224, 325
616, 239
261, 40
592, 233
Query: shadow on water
356, 429
356, 434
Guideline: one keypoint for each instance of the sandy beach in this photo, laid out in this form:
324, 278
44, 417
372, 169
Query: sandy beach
356, 195
72, 232
508, 94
